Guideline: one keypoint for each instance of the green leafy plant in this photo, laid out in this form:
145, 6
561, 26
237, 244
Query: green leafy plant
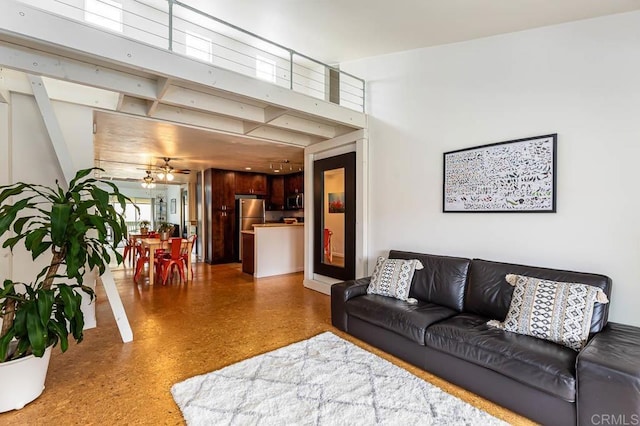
165, 227
73, 226
144, 224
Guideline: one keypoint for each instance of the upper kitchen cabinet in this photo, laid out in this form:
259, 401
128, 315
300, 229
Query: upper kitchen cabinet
251, 183
276, 193
294, 184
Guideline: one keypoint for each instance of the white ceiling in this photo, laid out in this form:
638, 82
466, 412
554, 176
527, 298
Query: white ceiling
336, 31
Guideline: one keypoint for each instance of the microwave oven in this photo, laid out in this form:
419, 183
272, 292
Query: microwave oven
294, 202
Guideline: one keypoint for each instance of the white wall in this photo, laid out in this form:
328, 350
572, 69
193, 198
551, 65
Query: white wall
173, 192
580, 80
33, 160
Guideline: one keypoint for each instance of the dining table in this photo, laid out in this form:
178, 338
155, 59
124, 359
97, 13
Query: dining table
152, 244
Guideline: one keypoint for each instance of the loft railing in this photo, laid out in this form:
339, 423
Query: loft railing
185, 30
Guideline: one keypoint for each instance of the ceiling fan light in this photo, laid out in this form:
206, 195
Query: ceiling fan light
169, 176
160, 175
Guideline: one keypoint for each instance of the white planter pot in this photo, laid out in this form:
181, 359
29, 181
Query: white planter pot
23, 380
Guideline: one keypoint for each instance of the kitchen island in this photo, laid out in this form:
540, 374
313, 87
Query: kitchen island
278, 248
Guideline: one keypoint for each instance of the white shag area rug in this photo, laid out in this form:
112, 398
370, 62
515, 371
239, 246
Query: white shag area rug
324, 380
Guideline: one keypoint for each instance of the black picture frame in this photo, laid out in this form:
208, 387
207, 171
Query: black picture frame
516, 176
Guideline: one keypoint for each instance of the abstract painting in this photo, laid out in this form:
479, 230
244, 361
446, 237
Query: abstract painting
336, 202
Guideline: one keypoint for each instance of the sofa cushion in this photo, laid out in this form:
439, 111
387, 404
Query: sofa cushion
408, 320
392, 277
442, 281
544, 365
489, 295
551, 310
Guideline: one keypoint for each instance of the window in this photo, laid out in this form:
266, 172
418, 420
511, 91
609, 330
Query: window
265, 69
132, 216
105, 13
198, 46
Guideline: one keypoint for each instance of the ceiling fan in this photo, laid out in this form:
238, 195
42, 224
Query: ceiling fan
148, 181
166, 171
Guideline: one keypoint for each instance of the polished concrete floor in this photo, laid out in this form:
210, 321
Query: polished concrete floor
181, 330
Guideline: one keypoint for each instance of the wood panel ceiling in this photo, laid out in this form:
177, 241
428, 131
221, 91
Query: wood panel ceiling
126, 146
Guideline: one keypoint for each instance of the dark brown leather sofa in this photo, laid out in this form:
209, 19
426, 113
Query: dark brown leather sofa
446, 334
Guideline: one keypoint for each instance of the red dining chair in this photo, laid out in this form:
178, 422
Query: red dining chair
127, 253
168, 262
327, 244
143, 257
191, 242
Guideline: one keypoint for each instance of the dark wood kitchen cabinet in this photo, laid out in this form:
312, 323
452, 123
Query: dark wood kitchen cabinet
248, 259
294, 184
275, 200
250, 183
219, 186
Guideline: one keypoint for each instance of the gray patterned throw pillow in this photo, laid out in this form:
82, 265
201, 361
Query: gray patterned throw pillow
392, 277
551, 310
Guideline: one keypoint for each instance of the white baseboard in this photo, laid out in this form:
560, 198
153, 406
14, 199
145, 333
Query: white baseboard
319, 286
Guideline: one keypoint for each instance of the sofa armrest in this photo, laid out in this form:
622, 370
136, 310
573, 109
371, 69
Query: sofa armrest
608, 377
340, 294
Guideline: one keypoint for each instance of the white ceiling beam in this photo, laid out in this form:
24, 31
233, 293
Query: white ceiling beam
342, 130
4, 93
15, 81
37, 62
273, 112
163, 85
250, 127
139, 107
53, 127
304, 125
284, 136
120, 101
152, 106
59, 90
200, 119
187, 98
134, 106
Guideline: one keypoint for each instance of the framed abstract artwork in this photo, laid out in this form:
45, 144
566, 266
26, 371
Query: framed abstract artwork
336, 202
512, 176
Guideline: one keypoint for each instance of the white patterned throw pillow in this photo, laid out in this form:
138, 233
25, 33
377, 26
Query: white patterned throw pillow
392, 277
551, 310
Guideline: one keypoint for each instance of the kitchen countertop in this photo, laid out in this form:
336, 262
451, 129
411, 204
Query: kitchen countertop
270, 225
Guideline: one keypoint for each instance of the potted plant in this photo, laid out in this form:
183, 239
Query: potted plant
144, 227
165, 229
71, 226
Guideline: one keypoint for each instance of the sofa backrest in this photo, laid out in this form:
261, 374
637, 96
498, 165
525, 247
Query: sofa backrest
488, 293
442, 281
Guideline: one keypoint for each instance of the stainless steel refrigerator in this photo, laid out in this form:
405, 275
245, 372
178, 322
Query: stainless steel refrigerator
250, 212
